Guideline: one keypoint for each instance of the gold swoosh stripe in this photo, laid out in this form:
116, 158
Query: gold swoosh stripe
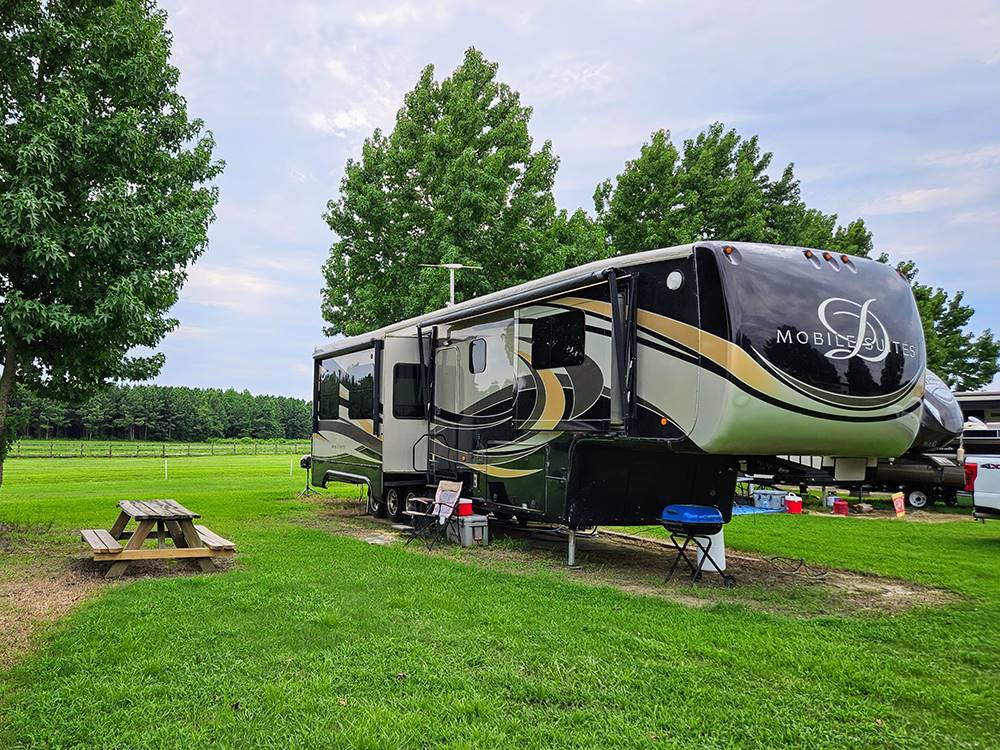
500, 471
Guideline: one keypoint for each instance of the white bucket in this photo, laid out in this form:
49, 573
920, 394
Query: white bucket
717, 553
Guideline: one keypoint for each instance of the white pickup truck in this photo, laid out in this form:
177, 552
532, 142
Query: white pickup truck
982, 468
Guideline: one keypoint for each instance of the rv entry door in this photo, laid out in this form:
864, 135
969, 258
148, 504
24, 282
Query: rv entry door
404, 421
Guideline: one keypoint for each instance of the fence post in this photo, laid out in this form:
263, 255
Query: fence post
211, 447
50, 450
234, 448
81, 450
109, 450
189, 449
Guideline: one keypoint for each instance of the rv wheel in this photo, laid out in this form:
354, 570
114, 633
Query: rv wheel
408, 503
393, 504
917, 499
376, 507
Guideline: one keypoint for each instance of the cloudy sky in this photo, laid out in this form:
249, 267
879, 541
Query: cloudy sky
889, 111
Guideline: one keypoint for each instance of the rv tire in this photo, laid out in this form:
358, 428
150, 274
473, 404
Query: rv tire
394, 504
411, 493
376, 506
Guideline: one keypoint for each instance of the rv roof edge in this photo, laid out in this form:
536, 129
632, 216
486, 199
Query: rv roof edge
591, 273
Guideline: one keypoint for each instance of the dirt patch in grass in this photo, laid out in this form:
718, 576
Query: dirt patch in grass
912, 516
41, 581
28, 602
638, 565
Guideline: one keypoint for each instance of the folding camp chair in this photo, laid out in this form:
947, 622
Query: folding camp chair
432, 523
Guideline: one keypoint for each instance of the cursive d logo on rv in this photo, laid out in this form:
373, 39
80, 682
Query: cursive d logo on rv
852, 329
866, 331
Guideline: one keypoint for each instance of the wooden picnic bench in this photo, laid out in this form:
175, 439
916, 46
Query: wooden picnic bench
167, 518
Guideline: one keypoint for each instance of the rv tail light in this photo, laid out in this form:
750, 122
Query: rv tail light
728, 250
971, 472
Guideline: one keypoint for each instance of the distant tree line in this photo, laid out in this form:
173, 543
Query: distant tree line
153, 412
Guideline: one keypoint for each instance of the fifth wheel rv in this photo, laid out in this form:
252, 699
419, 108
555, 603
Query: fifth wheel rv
600, 394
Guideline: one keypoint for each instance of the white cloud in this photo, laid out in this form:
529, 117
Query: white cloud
231, 289
186, 331
374, 99
915, 201
567, 76
404, 13
341, 123
984, 156
977, 218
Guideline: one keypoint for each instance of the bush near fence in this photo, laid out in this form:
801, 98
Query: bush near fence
143, 449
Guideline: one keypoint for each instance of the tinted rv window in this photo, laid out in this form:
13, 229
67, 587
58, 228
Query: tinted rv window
558, 340
328, 390
477, 356
360, 382
407, 399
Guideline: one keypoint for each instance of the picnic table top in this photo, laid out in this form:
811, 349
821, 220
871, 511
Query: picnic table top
156, 510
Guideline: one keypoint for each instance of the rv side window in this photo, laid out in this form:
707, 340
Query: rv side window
360, 382
477, 356
407, 399
558, 340
328, 395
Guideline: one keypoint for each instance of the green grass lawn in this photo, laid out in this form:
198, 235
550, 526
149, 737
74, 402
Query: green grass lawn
315, 640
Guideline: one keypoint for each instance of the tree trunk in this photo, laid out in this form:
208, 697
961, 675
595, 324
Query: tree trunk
6, 388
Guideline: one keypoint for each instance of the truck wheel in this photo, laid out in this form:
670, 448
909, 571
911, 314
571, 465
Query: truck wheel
376, 507
917, 499
394, 504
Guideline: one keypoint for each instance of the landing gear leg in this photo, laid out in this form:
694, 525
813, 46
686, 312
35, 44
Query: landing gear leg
571, 548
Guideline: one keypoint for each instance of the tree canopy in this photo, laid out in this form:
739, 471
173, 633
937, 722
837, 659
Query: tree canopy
716, 186
457, 181
104, 194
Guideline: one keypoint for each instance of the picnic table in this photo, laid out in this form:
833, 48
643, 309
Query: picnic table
167, 518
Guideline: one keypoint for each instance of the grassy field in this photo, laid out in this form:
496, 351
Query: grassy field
319, 640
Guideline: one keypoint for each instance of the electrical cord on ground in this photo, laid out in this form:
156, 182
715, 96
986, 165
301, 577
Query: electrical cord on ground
798, 568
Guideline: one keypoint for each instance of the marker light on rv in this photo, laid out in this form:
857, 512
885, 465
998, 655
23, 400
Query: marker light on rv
808, 253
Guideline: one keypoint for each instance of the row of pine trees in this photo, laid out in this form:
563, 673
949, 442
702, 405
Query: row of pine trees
152, 412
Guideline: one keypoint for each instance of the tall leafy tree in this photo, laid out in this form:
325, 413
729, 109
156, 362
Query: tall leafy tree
104, 201
965, 360
457, 180
718, 186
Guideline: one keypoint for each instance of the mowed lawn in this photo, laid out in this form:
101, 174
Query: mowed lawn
314, 640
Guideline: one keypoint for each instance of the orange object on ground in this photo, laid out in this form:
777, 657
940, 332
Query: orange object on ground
793, 505
840, 508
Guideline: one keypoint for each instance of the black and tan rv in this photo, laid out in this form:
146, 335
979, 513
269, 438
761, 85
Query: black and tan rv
600, 394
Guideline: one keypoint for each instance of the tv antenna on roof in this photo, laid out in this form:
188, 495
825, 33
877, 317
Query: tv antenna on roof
452, 267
